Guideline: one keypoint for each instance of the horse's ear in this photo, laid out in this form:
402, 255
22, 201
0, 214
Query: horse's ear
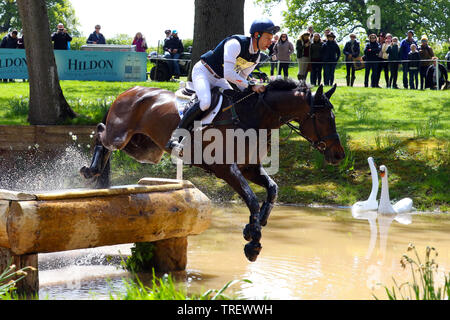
319, 92
330, 92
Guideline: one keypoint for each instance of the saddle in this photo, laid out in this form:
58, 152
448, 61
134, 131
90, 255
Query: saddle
220, 99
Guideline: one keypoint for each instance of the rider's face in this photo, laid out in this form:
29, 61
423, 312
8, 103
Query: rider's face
265, 41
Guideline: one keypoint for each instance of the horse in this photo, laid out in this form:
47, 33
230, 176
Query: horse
141, 121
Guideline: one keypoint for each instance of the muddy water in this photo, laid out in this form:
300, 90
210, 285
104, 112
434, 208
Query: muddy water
308, 253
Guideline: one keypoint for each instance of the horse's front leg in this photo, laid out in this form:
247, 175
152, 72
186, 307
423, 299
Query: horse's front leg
99, 160
252, 231
257, 174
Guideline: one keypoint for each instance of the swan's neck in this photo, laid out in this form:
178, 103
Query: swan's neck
384, 190
374, 192
385, 203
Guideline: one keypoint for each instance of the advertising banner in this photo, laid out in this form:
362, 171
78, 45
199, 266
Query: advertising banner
81, 65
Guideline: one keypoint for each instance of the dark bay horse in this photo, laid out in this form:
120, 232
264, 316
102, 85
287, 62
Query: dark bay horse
141, 120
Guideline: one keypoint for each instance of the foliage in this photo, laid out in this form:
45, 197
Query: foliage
59, 11
164, 288
423, 284
122, 38
397, 17
141, 255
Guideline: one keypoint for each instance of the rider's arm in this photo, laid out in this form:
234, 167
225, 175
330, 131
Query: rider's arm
232, 49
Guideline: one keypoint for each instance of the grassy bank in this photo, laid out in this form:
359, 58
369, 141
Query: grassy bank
406, 130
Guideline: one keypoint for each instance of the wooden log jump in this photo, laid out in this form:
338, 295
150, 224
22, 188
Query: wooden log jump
163, 211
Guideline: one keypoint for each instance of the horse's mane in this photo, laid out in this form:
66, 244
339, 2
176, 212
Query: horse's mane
287, 85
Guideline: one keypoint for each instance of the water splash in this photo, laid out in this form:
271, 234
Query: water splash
39, 170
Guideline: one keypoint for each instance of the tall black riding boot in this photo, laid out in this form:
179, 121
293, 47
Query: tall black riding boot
192, 114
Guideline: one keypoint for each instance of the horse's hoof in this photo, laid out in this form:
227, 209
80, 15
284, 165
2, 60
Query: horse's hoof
87, 173
252, 250
252, 233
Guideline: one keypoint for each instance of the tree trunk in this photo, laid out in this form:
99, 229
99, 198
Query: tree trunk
47, 102
214, 21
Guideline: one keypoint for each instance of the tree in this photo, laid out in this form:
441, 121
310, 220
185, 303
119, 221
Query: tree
397, 17
214, 21
47, 102
58, 11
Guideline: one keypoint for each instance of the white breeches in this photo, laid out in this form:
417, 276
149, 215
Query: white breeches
203, 81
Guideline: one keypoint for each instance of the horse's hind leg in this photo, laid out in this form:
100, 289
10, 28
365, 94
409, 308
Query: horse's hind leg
257, 174
252, 231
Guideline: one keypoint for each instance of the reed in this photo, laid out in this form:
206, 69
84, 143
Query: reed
422, 285
9, 278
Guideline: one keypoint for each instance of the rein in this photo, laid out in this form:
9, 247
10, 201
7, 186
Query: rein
320, 144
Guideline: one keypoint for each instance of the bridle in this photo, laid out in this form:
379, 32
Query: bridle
320, 144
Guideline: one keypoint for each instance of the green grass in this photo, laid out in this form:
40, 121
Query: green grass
406, 130
165, 288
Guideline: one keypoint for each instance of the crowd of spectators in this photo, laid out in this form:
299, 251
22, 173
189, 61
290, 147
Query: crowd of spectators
381, 54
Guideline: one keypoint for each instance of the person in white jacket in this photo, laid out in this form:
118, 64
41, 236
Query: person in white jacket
232, 60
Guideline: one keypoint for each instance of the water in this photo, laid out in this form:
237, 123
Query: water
308, 253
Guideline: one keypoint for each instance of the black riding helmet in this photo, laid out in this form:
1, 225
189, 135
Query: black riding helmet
263, 25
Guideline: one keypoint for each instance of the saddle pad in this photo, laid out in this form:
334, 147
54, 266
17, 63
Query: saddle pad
181, 101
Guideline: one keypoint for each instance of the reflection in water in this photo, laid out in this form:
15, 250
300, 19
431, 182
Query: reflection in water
308, 253
384, 222
374, 270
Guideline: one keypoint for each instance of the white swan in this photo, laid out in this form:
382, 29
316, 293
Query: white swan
371, 203
402, 206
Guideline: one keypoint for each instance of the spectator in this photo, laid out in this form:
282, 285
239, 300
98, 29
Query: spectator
384, 41
10, 40
61, 38
303, 55
393, 56
316, 59
283, 50
330, 55
351, 51
173, 49
430, 81
371, 52
404, 50
426, 53
325, 34
413, 67
96, 37
140, 42
273, 57
168, 33
447, 57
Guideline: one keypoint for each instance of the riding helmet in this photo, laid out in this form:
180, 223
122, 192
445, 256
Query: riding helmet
264, 25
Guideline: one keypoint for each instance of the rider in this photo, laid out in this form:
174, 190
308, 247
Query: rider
232, 60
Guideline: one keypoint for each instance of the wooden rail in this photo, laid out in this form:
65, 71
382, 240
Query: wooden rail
162, 211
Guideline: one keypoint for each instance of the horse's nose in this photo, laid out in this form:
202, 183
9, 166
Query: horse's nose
340, 155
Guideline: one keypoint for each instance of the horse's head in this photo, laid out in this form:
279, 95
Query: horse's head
318, 125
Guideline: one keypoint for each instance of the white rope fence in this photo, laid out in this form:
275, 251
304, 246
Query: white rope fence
330, 62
